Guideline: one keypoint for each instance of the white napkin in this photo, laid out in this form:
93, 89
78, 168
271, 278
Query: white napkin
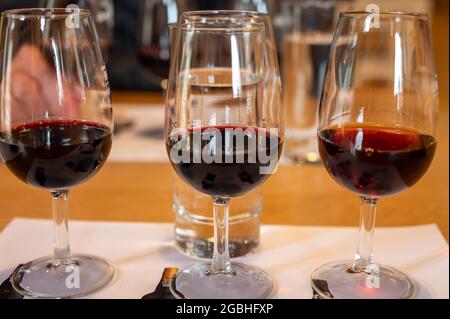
140, 252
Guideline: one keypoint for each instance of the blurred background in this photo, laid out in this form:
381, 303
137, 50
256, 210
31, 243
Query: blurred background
135, 41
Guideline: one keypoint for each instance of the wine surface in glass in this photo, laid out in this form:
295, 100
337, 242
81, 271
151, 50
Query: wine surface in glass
375, 161
55, 154
248, 149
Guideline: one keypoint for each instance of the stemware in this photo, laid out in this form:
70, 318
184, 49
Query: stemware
377, 128
224, 132
153, 35
55, 131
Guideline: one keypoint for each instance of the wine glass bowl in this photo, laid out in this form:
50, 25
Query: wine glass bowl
224, 132
377, 127
64, 165
55, 131
153, 35
387, 161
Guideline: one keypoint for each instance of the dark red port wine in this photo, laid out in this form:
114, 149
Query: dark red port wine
375, 161
244, 169
55, 154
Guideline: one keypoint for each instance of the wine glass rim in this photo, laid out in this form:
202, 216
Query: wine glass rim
223, 13
420, 15
214, 20
50, 13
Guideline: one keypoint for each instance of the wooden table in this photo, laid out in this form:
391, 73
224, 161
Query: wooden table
302, 195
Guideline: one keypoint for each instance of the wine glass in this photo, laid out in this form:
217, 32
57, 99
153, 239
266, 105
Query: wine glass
153, 35
103, 12
224, 132
55, 131
376, 134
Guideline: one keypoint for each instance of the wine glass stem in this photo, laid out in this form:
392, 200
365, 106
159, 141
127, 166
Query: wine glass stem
221, 263
61, 244
364, 252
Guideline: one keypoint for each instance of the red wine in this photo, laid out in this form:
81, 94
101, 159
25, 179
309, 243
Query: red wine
55, 154
375, 161
236, 175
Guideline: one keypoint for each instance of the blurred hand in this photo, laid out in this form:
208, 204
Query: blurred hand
39, 90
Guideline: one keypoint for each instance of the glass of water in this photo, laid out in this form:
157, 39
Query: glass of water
194, 224
307, 33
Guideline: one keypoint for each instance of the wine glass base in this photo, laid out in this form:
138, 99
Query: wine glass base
335, 281
41, 279
247, 282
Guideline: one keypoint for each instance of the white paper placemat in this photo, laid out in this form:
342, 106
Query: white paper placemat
140, 251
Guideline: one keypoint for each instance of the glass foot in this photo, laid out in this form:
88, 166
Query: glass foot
41, 279
334, 280
247, 282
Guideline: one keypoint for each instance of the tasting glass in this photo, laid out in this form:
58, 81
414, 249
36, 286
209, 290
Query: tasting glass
377, 128
55, 131
224, 75
194, 225
153, 36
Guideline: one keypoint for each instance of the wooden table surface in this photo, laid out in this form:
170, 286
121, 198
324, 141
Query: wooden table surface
295, 195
